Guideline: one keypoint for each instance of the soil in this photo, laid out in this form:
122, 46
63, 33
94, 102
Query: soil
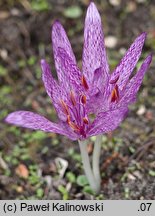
28, 168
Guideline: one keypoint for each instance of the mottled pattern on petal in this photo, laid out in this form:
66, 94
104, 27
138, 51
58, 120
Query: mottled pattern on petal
36, 122
129, 61
60, 39
94, 54
135, 83
70, 70
95, 103
98, 92
50, 83
53, 89
100, 80
107, 121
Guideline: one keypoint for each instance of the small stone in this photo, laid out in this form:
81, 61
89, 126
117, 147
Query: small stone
131, 6
122, 51
131, 177
137, 174
141, 110
19, 189
111, 41
4, 15
15, 12
22, 171
141, 1
4, 54
115, 3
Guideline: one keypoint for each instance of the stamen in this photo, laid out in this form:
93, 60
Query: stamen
83, 99
65, 107
84, 82
72, 97
85, 120
114, 80
68, 119
74, 126
115, 94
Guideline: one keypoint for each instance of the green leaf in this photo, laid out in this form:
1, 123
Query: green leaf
21, 63
71, 177
31, 60
77, 157
40, 5
62, 189
152, 173
64, 192
73, 12
39, 192
3, 71
87, 189
82, 180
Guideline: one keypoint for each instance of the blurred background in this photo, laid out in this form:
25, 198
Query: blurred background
36, 165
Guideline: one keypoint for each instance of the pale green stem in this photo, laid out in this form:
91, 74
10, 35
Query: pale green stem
87, 167
96, 158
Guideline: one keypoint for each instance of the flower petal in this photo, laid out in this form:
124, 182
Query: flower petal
94, 54
129, 61
50, 83
98, 92
107, 121
53, 89
70, 70
135, 83
100, 80
36, 122
60, 39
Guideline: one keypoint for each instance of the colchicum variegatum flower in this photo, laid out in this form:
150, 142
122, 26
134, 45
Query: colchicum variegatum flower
92, 91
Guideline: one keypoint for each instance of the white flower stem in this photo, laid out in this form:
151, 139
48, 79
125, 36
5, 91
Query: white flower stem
96, 158
95, 186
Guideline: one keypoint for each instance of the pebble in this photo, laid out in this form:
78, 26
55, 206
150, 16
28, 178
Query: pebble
137, 174
141, 110
122, 51
131, 177
111, 41
141, 1
115, 2
4, 54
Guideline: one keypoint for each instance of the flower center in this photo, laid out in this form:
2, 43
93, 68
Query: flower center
115, 94
114, 97
75, 113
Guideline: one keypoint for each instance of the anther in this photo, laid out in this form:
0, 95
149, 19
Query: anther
72, 97
65, 107
74, 126
68, 119
115, 94
83, 99
85, 120
84, 82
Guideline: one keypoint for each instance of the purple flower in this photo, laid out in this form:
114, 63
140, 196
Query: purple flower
77, 96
